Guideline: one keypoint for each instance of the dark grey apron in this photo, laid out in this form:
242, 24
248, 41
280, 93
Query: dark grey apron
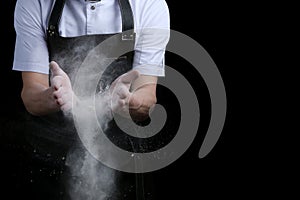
69, 53
53, 136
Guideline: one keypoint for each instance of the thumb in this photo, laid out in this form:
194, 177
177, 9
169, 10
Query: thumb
55, 69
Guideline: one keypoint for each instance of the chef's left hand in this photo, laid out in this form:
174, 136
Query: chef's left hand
133, 94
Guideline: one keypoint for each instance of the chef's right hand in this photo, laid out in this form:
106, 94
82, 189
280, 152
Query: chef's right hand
61, 84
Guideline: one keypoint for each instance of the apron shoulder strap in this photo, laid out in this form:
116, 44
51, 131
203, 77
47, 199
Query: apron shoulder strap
127, 16
55, 18
127, 21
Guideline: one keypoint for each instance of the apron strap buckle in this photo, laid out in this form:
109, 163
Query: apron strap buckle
128, 36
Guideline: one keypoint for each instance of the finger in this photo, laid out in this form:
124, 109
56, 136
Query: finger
118, 105
58, 93
125, 79
66, 107
67, 97
55, 69
57, 82
121, 103
123, 92
60, 101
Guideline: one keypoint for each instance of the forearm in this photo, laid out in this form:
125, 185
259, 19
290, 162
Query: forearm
39, 100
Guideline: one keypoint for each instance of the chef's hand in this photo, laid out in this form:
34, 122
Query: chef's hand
136, 103
62, 87
142, 101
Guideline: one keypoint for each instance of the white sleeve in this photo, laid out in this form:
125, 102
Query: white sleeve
152, 37
31, 52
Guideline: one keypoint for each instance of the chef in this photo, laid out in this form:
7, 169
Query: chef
54, 37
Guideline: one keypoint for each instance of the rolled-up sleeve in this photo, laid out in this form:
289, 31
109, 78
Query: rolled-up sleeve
152, 38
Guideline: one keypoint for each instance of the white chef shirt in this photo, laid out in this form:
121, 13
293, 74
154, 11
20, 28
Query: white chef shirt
80, 17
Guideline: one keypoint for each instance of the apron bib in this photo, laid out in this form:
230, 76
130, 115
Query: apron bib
55, 134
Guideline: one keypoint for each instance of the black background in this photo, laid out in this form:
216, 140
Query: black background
239, 166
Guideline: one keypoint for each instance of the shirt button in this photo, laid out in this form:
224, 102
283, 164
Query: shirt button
93, 7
